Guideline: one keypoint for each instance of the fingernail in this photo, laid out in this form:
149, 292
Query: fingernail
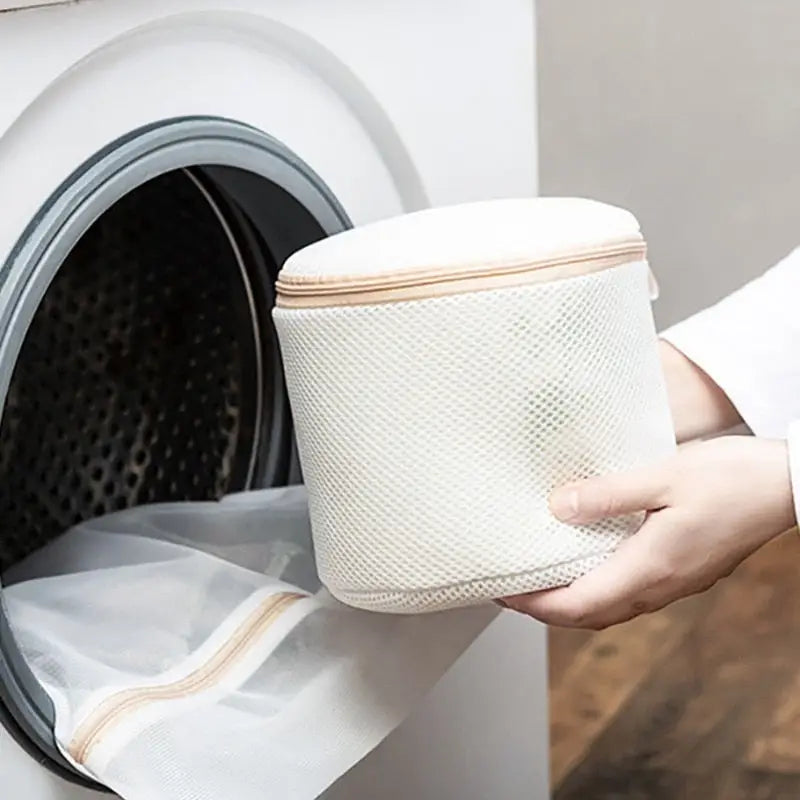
564, 504
501, 603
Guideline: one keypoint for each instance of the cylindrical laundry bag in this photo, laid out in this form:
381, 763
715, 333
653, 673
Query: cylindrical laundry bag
446, 370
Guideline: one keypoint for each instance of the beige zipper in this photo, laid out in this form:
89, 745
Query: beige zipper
423, 284
111, 711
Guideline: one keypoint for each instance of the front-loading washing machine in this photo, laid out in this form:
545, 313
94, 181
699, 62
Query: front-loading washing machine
159, 159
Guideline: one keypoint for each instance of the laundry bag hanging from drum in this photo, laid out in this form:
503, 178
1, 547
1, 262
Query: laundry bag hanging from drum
446, 370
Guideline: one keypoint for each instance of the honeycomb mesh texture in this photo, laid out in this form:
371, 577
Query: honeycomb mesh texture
431, 433
134, 383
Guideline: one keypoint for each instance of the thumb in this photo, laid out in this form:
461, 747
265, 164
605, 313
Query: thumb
610, 496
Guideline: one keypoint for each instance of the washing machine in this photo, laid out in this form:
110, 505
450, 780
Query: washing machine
159, 159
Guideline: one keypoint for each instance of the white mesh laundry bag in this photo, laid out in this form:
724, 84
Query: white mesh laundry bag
446, 370
190, 653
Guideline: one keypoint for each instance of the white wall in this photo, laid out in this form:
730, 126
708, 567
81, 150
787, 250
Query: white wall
688, 113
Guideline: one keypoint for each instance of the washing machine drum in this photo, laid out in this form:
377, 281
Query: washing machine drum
141, 377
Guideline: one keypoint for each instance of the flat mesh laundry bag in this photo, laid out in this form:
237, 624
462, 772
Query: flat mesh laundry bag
446, 370
191, 654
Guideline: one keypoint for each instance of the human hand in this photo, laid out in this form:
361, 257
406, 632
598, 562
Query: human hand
709, 506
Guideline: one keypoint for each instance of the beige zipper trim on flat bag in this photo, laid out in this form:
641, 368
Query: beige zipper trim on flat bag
115, 709
294, 292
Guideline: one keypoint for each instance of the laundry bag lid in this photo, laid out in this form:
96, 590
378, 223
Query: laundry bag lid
507, 240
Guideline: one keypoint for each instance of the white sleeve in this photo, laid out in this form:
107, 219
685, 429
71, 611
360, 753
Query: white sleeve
749, 344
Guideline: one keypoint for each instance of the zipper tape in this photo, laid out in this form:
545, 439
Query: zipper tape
119, 717
425, 285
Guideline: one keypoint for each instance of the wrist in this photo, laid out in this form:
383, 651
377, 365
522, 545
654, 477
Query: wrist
698, 405
766, 478
784, 494
746, 486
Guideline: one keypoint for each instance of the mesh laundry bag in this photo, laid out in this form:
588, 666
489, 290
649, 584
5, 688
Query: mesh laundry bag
446, 370
191, 654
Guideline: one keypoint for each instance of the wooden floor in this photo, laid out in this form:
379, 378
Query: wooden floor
700, 701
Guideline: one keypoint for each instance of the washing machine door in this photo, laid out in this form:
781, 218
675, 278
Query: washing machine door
138, 362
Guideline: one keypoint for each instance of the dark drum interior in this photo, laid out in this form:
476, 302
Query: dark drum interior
135, 382
147, 373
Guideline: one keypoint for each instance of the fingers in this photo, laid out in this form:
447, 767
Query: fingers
633, 581
609, 496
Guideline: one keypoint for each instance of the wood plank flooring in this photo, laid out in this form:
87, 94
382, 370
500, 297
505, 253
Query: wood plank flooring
699, 702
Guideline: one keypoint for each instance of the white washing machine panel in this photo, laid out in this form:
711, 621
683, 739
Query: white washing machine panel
395, 106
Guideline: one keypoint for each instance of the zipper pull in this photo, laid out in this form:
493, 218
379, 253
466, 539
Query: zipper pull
652, 284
